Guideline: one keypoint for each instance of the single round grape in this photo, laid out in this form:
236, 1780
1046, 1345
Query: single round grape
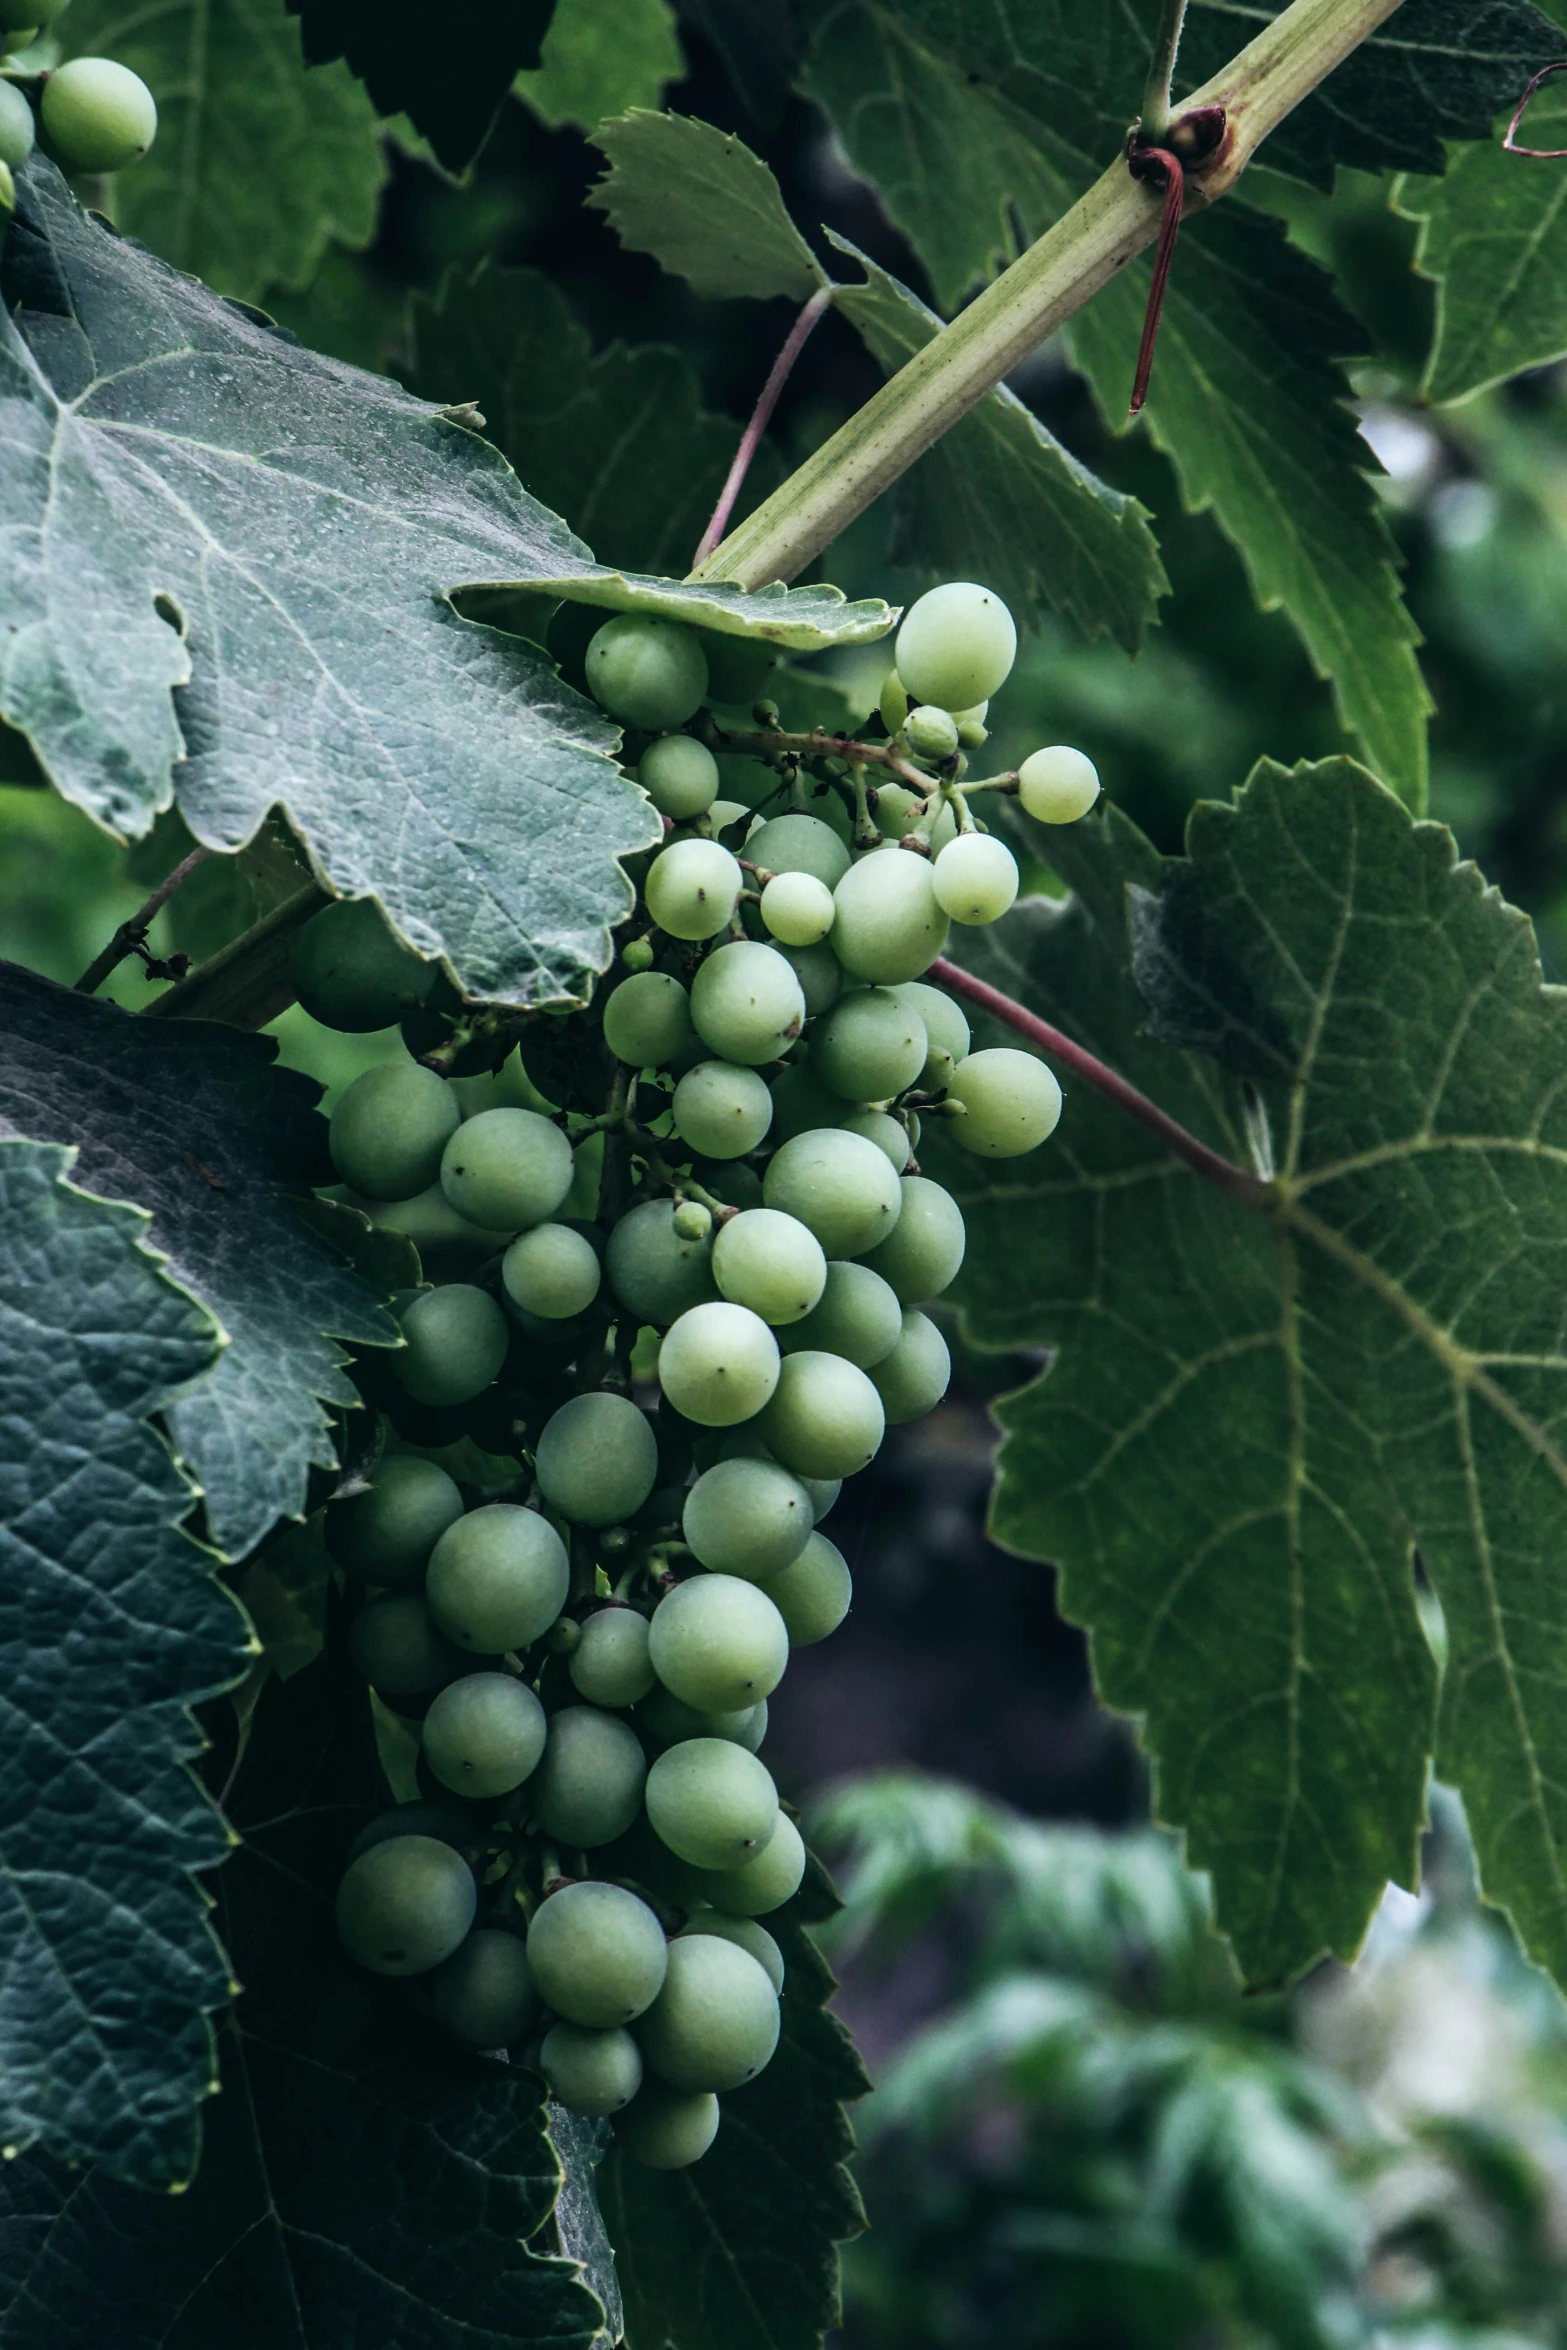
718, 1364
888, 926
798, 843
840, 1186
888, 1133
859, 1317
746, 1934
99, 115
1012, 1103
663, 2130
597, 1459
405, 1905
931, 733
723, 813
637, 955
814, 1594
976, 878
692, 888
738, 667
1058, 785
506, 1168
484, 1993
711, 1803
610, 1664
693, 1220
350, 969
825, 1418
920, 1257
597, 1953
802, 1103
656, 1274
498, 1579
748, 1518
552, 1271
646, 671
386, 1534
483, 1735
914, 1377
588, 1788
764, 1884
722, 1111
714, 2025
956, 646
455, 1343
824, 1491
798, 909
647, 1020
870, 1046
970, 723
390, 1127
17, 134
746, 1003
946, 1029
590, 2072
398, 1650
668, 1719
448, 1245
680, 776
718, 1643
819, 972
445, 1822
770, 1262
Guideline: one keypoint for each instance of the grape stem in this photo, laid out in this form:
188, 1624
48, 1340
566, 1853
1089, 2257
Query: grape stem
1161, 70
131, 937
751, 439
1209, 1164
774, 746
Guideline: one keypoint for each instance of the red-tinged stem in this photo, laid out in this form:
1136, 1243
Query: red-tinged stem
1208, 1164
783, 367
1547, 73
1153, 160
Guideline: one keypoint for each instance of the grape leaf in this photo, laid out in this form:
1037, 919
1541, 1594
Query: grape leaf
704, 206
232, 564
601, 57
451, 82
257, 163
111, 1627
191, 1121
759, 44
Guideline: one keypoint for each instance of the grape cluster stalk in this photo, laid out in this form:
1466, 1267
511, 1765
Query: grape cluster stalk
677, 1252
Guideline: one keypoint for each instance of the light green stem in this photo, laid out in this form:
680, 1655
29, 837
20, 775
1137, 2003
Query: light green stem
1155, 116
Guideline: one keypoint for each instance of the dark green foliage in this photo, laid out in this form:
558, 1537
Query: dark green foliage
449, 81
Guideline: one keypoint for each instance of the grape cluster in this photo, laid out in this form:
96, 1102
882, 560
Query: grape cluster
674, 1324
97, 115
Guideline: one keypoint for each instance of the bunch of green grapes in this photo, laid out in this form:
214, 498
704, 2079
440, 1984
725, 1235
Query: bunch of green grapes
96, 116
678, 1271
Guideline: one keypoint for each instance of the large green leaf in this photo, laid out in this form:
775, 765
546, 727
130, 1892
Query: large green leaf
111, 1628
601, 57
708, 208
191, 1122
449, 77
193, 502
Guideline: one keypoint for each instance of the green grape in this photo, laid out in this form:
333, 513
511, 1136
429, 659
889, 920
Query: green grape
824, 1491
663, 2130
588, 1789
718, 1643
645, 671
483, 1735
448, 1244
914, 1377
17, 133
597, 1459
590, 2072
1057, 786
692, 889
920, 1256
693, 1221
771, 1263
711, 1803
350, 969
718, 1364
840, 1186
764, 1884
888, 1133
870, 1046
668, 1719
398, 1650
931, 733
894, 702
825, 1418
798, 909
637, 956
738, 667
956, 646
973, 733
746, 1003
654, 1273
801, 1103
976, 878
946, 1030
746, 1934
1012, 1103
610, 1664
888, 926
498, 1579
647, 1020
405, 1905
799, 843
598, 1953
897, 809
99, 115
506, 1168
680, 776
442, 1821
455, 1341
386, 1534
723, 813
552, 1271
859, 1317
484, 1993
722, 1111
814, 1594
714, 2025
748, 1518
389, 1129
818, 970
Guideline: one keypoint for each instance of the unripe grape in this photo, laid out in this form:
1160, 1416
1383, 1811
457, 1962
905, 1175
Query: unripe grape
770, 1262
718, 1643
711, 1803
747, 1517
506, 1169
888, 1133
597, 1953
798, 909
552, 1271
610, 1664
1057, 786
802, 1103
455, 1341
17, 133
931, 733
824, 1491
349, 968
859, 1317
798, 843
498, 1579
746, 1003
714, 2025
723, 813
99, 115
1012, 1103
483, 1735
680, 776
668, 1719
818, 970
448, 1244
956, 646
976, 878
405, 1905
722, 1111
656, 1274
914, 1377
597, 1459
647, 1020
738, 667
397, 1648
973, 733
390, 1127
646, 671
764, 1884
718, 1364
637, 956
588, 1789
894, 702
888, 926
825, 1418
814, 1593
590, 2072
840, 1186
870, 1046
693, 1221
921, 1255
386, 1534
663, 2130
484, 1993
692, 888
946, 1030
746, 1934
